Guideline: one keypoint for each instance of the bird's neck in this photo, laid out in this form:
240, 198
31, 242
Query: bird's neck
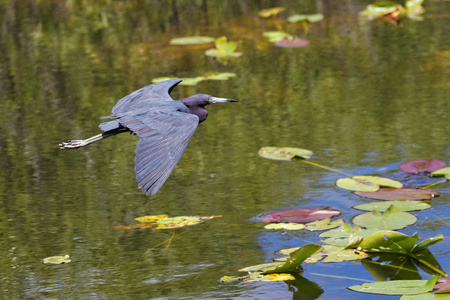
200, 112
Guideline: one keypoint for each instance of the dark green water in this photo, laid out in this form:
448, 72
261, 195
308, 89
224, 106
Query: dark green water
364, 96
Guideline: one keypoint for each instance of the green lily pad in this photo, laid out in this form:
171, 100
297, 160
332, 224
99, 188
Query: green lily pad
305, 18
219, 76
269, 12
402, 205
381, 181
357, 185
284, 153
387, 241
426, 296
396, 287
224, 48
324, 224
191, 40
399, 194
276, 36
56, 260
285, 226
442, 172
345, 235
379, 8
392, 219
295, 259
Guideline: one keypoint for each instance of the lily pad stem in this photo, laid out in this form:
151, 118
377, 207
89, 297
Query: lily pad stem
324, 167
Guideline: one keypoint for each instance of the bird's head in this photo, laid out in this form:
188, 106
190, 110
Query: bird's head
196, 104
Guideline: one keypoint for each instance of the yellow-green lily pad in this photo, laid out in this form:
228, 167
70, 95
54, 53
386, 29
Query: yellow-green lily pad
284, 153
442, 172
402, 205
191, 40
56, 260
285, 226
392, 219
357, 185
381, 181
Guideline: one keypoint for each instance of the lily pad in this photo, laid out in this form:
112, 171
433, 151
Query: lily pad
402, 205
421, 165
299, 215
305, 18
396, 287
399, 194
442, 286
191, 40
387, 241
442, 172
295, 259
294, 42
219, 76
381, 181
324, 224
392, 219
284, 153
269, 12
56, 260
224, 48
345, 235
276, 36
166, 222
285, 226
357, 185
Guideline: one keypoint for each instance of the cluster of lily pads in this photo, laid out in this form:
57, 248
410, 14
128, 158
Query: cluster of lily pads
372, 239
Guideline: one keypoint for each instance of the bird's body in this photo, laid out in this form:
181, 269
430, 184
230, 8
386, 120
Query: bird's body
165, 127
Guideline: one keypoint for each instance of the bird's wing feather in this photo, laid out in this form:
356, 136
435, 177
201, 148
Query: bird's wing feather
137, 99
164, 136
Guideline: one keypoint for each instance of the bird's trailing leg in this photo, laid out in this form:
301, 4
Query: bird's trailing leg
74, 144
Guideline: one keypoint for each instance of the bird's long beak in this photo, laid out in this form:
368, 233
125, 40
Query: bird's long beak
213, 100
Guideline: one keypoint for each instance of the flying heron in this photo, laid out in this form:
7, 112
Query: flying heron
164, 126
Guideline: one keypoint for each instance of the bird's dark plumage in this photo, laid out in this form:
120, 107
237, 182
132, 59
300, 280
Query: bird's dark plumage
163, 125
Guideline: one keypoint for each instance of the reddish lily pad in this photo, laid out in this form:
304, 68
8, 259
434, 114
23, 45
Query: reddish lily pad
442, 286
299, 215
295, 42
399, 194
422, 165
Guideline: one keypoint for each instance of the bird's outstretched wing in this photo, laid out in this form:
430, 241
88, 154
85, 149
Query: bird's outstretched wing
140, 98
164, 136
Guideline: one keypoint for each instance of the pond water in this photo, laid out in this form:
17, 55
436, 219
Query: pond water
363, 96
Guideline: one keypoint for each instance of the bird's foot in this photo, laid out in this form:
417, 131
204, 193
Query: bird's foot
72, 144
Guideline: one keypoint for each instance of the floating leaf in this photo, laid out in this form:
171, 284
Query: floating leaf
270, 277
381, 181
269, 12
295, 259
392, 219
149, 219
399, 194
324, 224
219, 76
442, 172
396, 287
191, 40
166, 222
305, 18
357, 185
276, 36
442, 286
56, 260
421, 165
380, 8
402, 205
386, 241
223, 49
299, 215
294, 42
285, 226
284, 153
345, 235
